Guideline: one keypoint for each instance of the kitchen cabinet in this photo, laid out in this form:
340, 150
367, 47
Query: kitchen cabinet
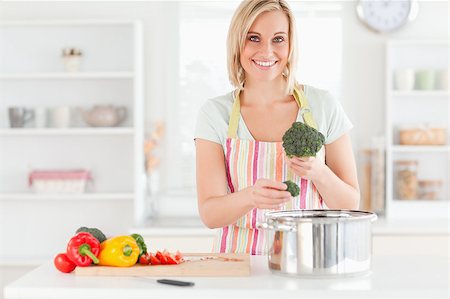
417, 129
33, 75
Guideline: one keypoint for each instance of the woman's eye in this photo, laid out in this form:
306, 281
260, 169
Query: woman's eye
278, 39
253, 38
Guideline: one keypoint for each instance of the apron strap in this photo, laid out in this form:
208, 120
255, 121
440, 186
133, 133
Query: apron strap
299, 97
305, 111
235, 114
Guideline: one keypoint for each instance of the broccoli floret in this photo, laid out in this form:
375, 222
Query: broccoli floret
293, 188
98, 234
301, 140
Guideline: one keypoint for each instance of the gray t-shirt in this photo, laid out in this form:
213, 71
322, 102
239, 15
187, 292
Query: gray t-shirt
214, 116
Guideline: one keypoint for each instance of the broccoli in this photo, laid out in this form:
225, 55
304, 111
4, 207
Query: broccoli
301, 140
292, 188
98, 234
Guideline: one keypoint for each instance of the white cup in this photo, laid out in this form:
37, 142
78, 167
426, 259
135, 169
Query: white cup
61, 117
404, 79
40, 117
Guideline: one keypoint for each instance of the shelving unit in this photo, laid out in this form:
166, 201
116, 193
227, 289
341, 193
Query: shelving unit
66, 76
66, 197
414, 107
32, 75
66, 132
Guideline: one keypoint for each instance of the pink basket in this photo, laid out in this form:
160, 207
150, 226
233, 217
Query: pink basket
59, 181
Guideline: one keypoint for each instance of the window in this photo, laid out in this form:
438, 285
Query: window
203, 28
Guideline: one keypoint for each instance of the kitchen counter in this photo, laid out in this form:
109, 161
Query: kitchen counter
391, 277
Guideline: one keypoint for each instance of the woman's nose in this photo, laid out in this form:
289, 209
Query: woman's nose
266, 47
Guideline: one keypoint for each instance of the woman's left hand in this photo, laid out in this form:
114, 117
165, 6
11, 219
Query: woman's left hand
306, 167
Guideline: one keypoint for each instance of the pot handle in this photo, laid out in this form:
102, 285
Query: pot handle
278, 226
375, 217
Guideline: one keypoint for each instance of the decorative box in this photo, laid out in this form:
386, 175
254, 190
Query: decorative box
59, 181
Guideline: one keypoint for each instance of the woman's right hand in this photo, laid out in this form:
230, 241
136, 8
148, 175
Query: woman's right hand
268, 194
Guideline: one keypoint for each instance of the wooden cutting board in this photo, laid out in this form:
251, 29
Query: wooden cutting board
219, 266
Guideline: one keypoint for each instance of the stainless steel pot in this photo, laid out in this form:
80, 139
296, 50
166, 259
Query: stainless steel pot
319, 242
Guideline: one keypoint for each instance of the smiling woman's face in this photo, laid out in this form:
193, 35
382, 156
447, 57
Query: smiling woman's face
266, 47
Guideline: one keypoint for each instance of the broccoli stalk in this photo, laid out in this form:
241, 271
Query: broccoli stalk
292, 188
301, 140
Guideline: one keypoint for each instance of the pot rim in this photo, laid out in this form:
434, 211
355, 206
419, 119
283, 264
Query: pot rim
319, 216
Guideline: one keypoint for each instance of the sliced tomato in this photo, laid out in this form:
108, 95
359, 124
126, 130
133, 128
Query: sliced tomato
171, 260
161, 257
154, 260
144, 259
178, 255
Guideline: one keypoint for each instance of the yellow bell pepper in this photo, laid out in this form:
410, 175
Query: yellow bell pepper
120, 251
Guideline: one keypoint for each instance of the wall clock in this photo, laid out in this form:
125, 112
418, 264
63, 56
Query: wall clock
386, 16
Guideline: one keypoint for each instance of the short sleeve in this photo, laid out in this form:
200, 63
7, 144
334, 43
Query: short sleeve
205, 128
338, 121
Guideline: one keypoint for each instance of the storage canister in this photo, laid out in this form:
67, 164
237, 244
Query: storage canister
406, 179
430, 189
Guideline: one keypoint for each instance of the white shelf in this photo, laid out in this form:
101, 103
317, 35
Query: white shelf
65, 76
411, 107
31, 76
422, 93
52, 196
64, 22
66, 131
421, 148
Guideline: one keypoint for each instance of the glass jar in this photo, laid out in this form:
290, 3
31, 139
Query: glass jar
430, 189
406, 179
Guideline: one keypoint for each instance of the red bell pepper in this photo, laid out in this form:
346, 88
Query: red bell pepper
83, 249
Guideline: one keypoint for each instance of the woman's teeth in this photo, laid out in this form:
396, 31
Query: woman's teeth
265, 63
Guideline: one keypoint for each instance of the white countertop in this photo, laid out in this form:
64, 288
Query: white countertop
192, 226
391, 277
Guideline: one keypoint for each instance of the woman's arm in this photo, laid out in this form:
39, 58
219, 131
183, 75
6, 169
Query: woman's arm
336, 180
216, 207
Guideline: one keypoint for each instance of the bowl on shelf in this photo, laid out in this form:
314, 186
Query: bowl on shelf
104, 115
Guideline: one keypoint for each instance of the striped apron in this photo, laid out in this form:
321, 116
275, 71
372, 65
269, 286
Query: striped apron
249, 160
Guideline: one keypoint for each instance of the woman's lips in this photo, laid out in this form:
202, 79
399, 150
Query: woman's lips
264, 65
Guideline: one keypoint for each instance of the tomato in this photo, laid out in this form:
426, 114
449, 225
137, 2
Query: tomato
154, 260
161, 257
63, 263
171, 260
144, 259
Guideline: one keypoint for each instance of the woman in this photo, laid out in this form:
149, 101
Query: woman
241, 163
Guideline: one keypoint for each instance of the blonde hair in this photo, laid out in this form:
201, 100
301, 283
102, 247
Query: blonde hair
243, 18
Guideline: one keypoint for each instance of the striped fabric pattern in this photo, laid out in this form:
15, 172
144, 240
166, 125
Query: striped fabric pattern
247, 161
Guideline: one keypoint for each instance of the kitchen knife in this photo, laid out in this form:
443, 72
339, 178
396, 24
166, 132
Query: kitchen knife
176, 282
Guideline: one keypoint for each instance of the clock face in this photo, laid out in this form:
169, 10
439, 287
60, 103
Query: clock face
386, 16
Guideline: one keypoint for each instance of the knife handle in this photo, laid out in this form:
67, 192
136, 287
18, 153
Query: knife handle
176, 282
